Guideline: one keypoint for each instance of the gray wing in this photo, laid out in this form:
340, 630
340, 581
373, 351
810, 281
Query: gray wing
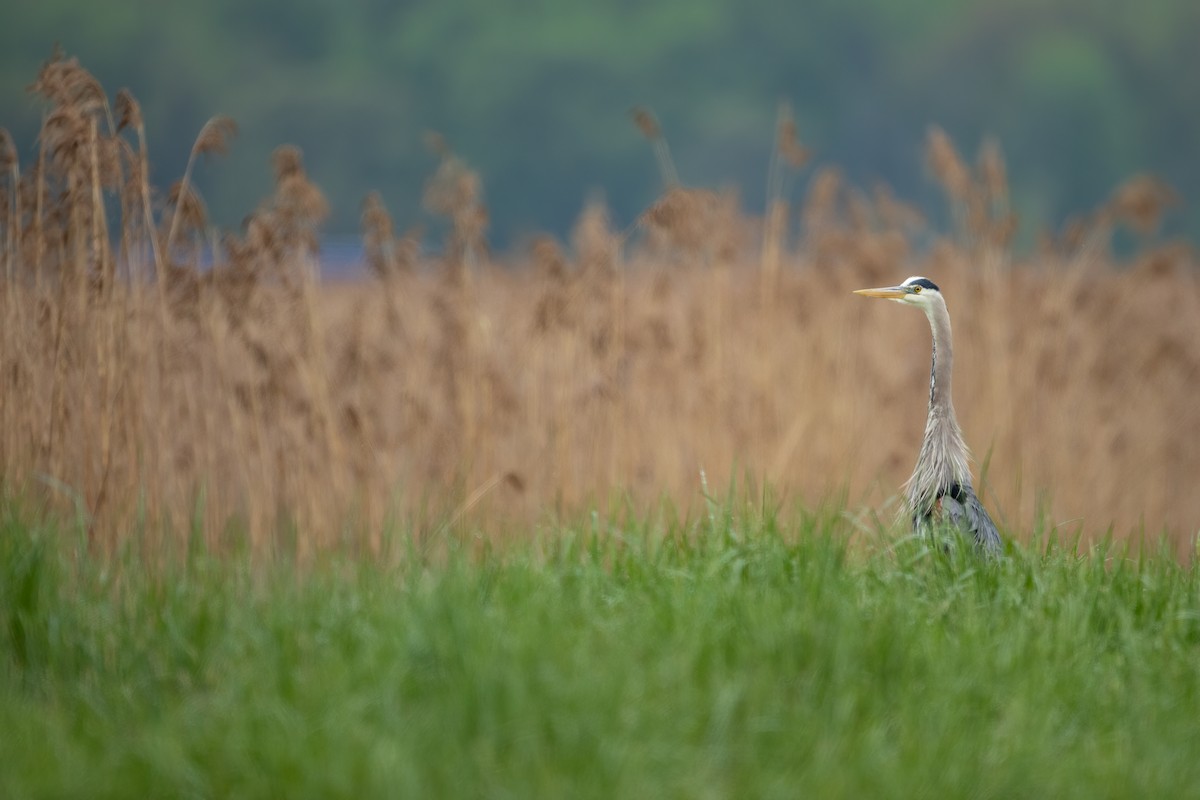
962, 509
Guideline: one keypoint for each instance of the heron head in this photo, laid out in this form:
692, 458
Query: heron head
915, 291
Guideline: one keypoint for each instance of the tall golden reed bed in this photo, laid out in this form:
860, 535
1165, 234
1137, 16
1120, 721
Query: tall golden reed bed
152, 393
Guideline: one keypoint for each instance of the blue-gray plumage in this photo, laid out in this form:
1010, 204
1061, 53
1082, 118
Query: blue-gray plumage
940, 491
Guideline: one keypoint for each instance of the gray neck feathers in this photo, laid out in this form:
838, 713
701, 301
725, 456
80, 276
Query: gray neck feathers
944, 459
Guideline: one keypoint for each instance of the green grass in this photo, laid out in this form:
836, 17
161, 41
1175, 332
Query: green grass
733, 657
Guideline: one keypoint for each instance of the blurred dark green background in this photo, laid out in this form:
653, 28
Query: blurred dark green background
536, 94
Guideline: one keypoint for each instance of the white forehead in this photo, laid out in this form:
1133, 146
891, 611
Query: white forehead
910, 280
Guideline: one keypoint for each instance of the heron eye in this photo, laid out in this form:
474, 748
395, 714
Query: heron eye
916, 289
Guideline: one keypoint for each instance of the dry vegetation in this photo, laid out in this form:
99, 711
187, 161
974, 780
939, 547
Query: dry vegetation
142, 384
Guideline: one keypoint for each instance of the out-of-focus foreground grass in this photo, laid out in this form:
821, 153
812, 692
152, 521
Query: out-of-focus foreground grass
732, 655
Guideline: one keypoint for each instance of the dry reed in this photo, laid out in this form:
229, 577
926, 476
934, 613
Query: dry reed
140, 387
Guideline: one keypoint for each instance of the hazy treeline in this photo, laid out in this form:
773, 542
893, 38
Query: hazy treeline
536, 96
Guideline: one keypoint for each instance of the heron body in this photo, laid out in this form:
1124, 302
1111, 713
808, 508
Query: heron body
940, 492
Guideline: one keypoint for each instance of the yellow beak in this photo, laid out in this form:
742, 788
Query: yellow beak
887, 292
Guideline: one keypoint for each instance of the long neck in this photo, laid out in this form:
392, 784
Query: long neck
944, 459
942, 363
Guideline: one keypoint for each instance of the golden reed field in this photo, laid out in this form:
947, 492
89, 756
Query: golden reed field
148, 390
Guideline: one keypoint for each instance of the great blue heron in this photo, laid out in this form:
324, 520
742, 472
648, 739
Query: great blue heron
939, 491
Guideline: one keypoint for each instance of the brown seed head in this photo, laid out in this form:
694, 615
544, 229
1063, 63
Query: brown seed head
1141, 201
646, 123
8, 151
215, 136
53, 78
298, 204
475, 223
437, 144
992, 170
379, 241
454, 188
111, 155
260, 240
685, 218
376, 222
302, 198
133, 166
64, 135
793, 153
288, 161
824, 196
947, 165
595, 244
188, 205
64, 82
129, 111
31, 180
548, 258
1167, 263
